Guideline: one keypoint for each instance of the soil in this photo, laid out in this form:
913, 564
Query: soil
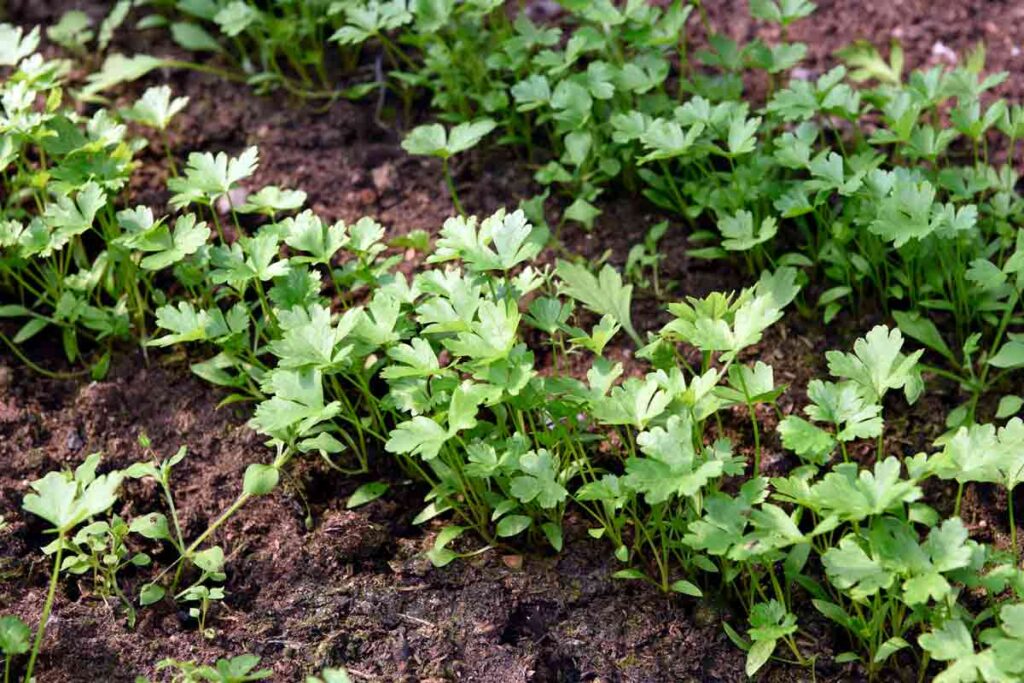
351, 587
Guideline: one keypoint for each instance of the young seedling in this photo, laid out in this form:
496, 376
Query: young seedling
259, 480
209, 178
100, 548
155, 109
434, 140
330, 676
239, 669
65, 500
981, 453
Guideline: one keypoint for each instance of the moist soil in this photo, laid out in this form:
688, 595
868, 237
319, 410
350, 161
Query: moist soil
312, 584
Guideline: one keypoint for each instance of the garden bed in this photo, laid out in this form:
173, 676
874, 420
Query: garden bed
312, 584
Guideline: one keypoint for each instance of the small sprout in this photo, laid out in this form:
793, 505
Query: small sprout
240, 669
65, 500
73, 32
434, 140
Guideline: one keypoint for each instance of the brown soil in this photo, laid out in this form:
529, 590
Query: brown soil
353, 588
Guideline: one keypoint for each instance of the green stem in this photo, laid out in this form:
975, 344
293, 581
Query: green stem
265, 304
451, 186
1011, 305
47, 606
38, 368
171, 166
1013, 525
174, 514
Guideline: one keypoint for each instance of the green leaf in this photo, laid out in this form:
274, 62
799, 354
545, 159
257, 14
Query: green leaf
13, 311
331, 676
604, 294
377, 326
187, 324
366, 20
118, 69
1009, 405
366, 493
468, 134
742, 137
72, 31
947, 546
686, 588
153, 526
430, 511
296, 406
113, 21
538, 481
433, 140
976, 453
834, 612
310, 341
504, 240
211, 560
664, 139
306, 232
532, 92
868, 63
151, 593
207, 177
630, 575
155, 108
1009, 356
415, 359
854, 494
512, 525
739, 234
418, 436
194, 37
811, 443
853, 570
71, 217
29, 330
737, 640
758, 655
635, 402
906, 213
236, 17
949, 642
65, 502
239, 668
14, 636
492, 334
187, 239
918, 327
427, 140
260, 479
877, 365
844, 406
553, 532
272, 199
15, 44
671, 468
781, 11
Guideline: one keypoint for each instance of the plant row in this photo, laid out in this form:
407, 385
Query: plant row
885, 196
